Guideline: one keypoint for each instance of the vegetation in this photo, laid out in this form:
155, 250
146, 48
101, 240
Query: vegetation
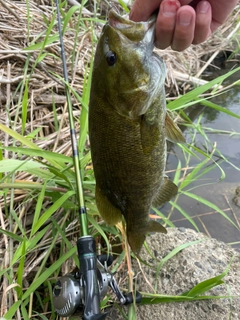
38, 210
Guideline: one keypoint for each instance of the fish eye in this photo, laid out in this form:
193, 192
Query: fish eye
111, 58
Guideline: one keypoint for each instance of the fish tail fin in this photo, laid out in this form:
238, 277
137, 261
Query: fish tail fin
137, 237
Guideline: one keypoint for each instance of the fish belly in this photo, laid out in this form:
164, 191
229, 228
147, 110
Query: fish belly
125, 175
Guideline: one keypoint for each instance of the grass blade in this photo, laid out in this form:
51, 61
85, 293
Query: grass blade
183, 101
173, 253
185, 214
210, 205
48, 213
24, 106
208, 284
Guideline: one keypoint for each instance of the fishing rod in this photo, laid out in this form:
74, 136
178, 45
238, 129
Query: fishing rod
85, 288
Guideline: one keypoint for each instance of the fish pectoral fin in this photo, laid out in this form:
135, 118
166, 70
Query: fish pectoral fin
137, 237
150, 135
110, 214
167, 191
173, 132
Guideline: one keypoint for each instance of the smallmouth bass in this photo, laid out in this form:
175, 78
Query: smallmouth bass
128, 127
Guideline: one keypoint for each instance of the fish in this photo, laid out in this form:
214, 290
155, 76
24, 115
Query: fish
128, 127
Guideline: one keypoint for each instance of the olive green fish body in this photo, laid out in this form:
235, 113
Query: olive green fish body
127, 127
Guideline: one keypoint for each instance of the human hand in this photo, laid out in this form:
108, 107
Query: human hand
181, 23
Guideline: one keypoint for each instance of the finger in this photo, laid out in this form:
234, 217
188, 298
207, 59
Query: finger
142, 10
220, 11
165, 23
184, 28
203, 22
185, 2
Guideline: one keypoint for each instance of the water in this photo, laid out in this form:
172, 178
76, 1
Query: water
209, 186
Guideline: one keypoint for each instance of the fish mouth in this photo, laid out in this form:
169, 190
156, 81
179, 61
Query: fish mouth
118, 22
143, 32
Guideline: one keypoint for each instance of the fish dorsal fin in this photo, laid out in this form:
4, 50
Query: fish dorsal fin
167, 191
173, 132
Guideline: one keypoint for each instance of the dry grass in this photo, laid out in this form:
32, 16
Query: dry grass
15, 36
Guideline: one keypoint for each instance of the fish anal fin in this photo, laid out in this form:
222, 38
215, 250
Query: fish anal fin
110, 214
166, 192
137, 237
173, 132
155, 226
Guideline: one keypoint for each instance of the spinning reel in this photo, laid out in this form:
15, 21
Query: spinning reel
83, 289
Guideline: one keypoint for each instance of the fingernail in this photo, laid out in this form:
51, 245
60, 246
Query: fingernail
170, 8
203, 6
185, 18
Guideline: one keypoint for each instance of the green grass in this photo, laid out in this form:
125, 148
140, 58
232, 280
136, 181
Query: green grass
196, 293
44, 249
